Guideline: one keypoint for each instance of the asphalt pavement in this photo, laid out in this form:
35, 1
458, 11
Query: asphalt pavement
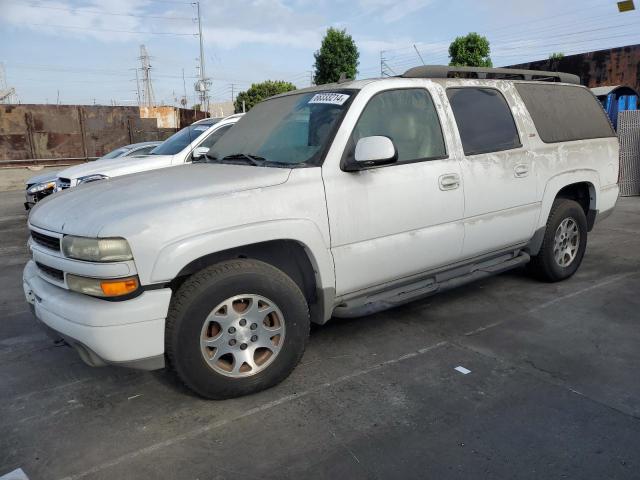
548, 387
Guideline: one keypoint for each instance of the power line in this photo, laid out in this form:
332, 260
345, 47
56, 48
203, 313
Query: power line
98, 12
138, 32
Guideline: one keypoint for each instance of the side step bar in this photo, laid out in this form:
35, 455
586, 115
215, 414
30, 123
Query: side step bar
380, 300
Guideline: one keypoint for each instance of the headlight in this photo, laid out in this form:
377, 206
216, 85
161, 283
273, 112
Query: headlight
100, 287
91, 178
96, 249
39, 187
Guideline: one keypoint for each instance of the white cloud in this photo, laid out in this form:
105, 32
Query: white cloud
392, 10
231, 23
89, 20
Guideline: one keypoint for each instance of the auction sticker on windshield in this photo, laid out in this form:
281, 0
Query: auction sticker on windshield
331, 98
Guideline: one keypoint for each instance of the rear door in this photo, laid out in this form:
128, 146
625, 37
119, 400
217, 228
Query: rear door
500, 186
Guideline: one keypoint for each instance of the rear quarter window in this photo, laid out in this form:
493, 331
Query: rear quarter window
563, 113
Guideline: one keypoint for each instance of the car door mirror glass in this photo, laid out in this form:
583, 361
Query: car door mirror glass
199, 152
375, 150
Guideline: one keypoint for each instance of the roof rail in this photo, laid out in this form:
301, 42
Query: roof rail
444, 71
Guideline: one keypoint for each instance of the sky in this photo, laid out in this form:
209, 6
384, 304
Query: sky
85, 52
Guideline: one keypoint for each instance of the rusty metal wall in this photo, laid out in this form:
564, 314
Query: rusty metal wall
68, 131
615, 66
629, 134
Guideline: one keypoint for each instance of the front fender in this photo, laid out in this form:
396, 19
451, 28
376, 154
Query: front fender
177, 255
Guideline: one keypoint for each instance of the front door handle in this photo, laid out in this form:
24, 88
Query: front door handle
521, 170
449, 181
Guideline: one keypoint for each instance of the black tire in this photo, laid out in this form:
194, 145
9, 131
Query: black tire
544, 266
201, 293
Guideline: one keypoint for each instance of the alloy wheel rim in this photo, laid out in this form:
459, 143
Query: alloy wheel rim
566, 242
242, 335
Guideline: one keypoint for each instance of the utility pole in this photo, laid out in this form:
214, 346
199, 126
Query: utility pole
232, 85
147, 92
183, 102
202, 85
138, 88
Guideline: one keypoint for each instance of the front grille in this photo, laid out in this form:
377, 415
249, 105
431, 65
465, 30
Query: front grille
51, 272
52, 243
63, 183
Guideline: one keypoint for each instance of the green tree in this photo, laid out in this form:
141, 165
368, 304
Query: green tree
338, 54
259, 91
554, 61
472, 50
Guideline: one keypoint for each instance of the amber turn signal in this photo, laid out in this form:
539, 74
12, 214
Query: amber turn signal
120, 287
102, 287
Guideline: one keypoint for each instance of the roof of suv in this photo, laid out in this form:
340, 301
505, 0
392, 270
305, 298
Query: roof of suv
444, 72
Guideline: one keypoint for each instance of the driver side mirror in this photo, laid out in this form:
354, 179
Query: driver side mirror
199, 152
374, 151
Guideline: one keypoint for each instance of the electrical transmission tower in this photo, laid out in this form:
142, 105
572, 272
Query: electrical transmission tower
148, 99
7, 94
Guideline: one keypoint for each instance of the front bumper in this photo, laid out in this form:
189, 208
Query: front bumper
32, 198
128, 333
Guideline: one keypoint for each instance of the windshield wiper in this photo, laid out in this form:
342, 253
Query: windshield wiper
275, 163
242, 158
249, 158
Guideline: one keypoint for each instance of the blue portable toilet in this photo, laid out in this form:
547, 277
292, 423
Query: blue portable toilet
616, 99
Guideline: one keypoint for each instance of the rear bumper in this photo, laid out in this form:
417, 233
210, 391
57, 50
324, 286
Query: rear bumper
128, 333
607, 199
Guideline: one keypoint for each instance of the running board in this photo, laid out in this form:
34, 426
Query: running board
380, 300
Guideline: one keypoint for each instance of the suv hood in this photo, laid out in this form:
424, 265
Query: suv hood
42, 178
86, 209
114, 167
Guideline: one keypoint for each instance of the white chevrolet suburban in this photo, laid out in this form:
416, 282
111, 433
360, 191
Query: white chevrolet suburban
334, 201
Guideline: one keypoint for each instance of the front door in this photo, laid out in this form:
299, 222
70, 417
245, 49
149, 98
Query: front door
402, 219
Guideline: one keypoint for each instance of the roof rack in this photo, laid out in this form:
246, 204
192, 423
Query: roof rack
444, 71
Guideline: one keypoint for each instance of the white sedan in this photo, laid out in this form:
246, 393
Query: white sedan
190, 143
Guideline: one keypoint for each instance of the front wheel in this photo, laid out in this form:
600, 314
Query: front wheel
236, 328
564, 244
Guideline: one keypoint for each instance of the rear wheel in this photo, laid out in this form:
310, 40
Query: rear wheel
236, 328
564, 244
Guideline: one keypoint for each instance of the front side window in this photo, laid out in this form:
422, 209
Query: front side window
118, 152
484, 119
142, 151
286, 131
215, 136
409, 118
180, 140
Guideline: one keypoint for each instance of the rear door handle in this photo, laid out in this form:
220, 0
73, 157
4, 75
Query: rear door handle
449, 181
521, 170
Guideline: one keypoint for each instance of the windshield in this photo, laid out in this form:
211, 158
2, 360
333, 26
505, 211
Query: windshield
287, 131
118, 152
178, 141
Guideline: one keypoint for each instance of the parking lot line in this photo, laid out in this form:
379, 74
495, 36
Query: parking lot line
267, 406
614, 279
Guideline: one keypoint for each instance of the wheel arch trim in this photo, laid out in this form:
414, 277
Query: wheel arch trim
565, 179
174, 257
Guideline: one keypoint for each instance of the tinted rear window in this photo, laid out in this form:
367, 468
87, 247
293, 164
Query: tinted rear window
484, 120
564, 113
